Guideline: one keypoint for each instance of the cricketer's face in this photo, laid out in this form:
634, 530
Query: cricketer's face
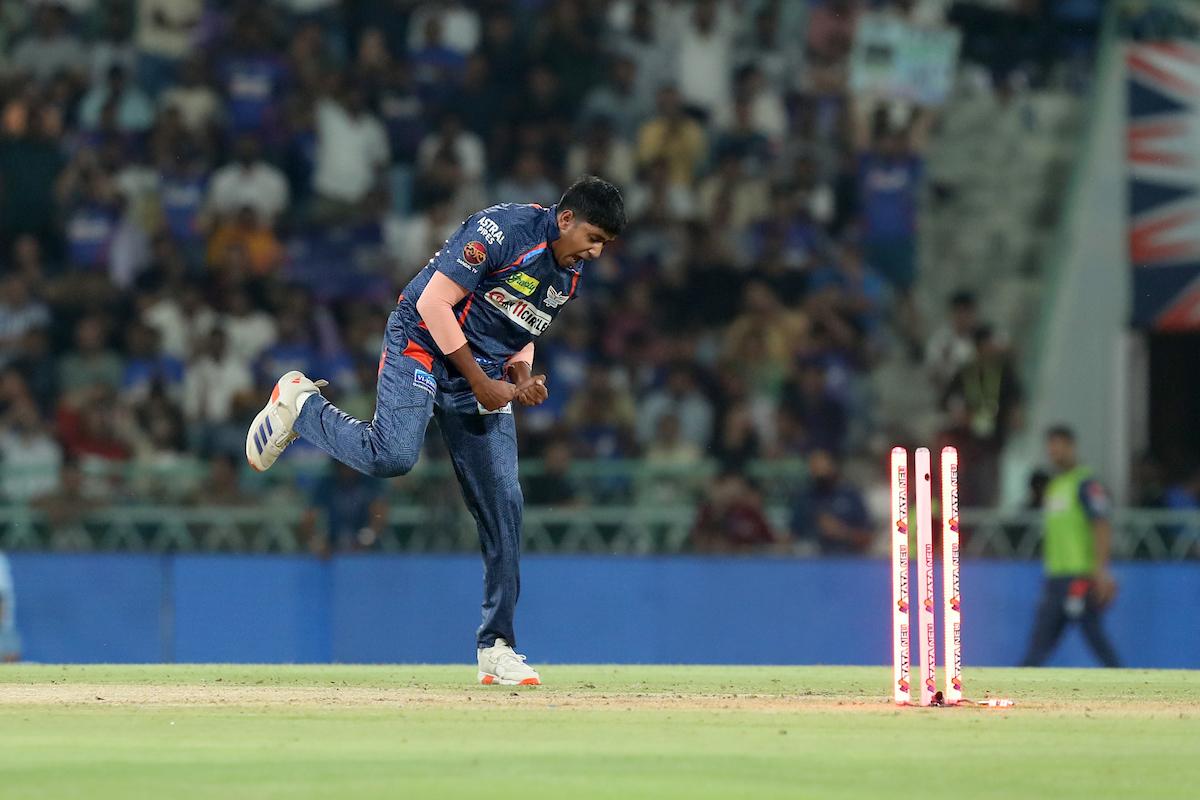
578, 240
1061, 452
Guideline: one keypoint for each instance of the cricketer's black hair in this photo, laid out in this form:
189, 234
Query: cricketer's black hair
1060, 431
963, 298
597, 201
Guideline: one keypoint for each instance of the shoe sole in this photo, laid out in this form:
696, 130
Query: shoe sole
488, 679
261, 426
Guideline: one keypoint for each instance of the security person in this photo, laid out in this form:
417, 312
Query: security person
1078, 536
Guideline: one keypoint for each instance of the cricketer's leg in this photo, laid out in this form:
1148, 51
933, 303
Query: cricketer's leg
1049, 623
483, 448
1093, 631
389, 444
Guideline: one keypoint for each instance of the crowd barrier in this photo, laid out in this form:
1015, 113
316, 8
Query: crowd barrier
382, 608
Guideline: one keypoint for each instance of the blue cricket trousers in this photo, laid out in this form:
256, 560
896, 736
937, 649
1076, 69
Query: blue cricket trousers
412, 387
1064, 600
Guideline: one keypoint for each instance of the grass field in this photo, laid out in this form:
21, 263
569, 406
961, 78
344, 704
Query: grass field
593, 732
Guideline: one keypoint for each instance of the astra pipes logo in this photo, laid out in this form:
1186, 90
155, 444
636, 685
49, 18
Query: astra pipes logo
489, 230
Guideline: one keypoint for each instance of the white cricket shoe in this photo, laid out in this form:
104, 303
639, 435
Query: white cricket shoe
500, 664
271, 432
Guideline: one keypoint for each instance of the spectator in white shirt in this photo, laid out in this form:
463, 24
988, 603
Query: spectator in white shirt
952, 346
249, 181
197, 102
166, 28
250, 329
51, 48
705, 58
214, 379
132, 108
451, 162
618, 99
465, 146
602, 153
412, 240
658, 199
768, 115
29, 456
352, 151
459, 25
647, 44
527, 183
682, 399
166, 33
114, 47
183, 323
774, 42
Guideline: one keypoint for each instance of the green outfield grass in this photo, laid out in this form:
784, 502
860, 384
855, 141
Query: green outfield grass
422, 732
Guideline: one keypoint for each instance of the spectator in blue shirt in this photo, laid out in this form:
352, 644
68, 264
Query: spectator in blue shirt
889, 180
353, 508
147, 365
182, 187
88, 195
830, 512
438, 68
253, 77
807, 396
294, 349
1184, 495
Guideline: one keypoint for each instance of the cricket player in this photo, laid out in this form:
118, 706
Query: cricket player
1078, 533
460, 345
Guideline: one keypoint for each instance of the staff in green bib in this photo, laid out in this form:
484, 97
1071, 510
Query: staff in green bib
1075, 549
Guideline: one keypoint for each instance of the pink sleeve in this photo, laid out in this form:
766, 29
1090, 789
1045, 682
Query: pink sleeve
436, 307
524, 354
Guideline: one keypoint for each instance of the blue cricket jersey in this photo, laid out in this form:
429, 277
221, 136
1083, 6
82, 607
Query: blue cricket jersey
501, 256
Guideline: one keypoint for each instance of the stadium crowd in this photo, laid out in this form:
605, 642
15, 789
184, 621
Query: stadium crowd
198, 195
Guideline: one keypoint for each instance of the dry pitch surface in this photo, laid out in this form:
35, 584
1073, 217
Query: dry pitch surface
592, 732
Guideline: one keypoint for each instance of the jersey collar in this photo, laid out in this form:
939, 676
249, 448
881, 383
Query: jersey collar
552, 231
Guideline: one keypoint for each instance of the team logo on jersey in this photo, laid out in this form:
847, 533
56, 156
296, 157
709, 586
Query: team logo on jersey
1097, 497
425, 381
474, 253
525, 284
519, 310
555, 298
